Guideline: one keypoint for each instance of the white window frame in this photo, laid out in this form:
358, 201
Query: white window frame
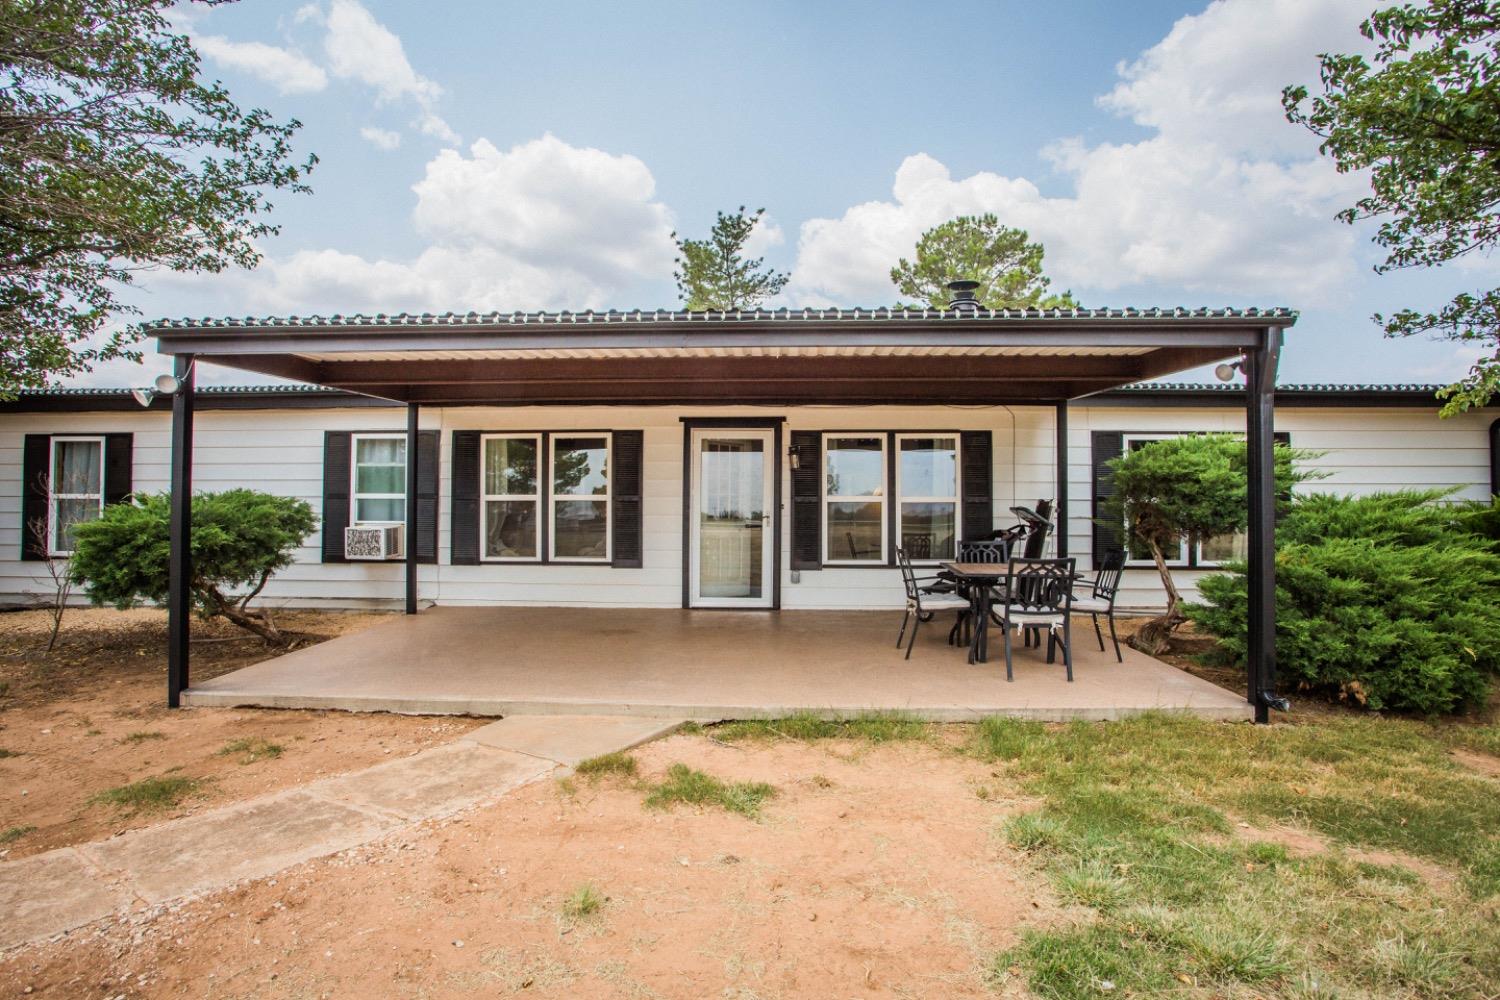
902, 499
355, 496
53, 496
543, 468
553, 498
1190, 551
824, 499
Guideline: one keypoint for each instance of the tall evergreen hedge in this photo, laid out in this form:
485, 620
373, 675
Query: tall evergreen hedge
1391, 600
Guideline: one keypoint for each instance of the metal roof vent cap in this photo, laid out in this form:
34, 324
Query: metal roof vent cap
964, 299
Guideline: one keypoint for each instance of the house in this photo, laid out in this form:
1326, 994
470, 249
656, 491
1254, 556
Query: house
756, 460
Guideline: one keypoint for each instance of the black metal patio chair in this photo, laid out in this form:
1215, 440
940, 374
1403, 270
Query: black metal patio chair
1038, 596
1101, 597
923, 603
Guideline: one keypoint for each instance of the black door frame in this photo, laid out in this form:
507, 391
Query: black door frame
690, 424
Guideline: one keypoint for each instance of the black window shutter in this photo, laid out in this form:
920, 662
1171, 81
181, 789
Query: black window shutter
36, 458
1107, 446
627, 478
118, 461
428, 443
463, 510
977, 483
807, 518
336, 473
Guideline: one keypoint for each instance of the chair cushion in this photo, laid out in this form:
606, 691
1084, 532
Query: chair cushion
1090, 604
1037, 618
943, 602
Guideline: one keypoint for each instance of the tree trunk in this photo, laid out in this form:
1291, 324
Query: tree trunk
1155, 636
258, 623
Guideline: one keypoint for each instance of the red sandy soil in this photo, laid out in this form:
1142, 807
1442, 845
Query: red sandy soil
66, 719
876, 871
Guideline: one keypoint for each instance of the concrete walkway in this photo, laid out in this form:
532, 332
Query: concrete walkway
52, 893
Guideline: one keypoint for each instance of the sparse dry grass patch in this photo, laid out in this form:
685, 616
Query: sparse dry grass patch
618, 764
684, 785
251, 749
150, 794
870, 727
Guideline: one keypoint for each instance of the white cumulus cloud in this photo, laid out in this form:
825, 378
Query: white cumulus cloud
290, 72
1224, 199
360, 48
382, 138
544, 225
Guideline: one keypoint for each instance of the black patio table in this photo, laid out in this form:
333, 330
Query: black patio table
982, 579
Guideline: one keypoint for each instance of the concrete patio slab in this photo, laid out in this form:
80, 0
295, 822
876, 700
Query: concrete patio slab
568, 739
508, 661
54, 891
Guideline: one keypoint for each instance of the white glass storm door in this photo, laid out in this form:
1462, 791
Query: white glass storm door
731, 533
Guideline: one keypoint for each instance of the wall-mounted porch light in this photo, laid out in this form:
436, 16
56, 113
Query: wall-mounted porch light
1224, 370
165, 385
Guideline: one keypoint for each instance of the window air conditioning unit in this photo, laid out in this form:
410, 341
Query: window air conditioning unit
375, 541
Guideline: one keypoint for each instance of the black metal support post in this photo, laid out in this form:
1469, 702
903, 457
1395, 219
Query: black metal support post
180, 556
1260, 419
410, 543
1061, 509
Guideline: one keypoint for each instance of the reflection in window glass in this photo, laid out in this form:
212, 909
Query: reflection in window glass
512, 524
854, 503
580, 529
854, 530
856, 467
927, 478
578, 466
928, 530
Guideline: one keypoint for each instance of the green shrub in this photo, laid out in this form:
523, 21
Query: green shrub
1386, 599
239, 538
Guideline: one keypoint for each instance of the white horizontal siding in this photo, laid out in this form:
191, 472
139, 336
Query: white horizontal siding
282, 451
1364, 450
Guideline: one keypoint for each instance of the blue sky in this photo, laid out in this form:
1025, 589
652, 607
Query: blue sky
501, 156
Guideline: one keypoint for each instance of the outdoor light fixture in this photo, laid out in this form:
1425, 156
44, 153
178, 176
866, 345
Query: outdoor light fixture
165, 385
795, 454
1224, 371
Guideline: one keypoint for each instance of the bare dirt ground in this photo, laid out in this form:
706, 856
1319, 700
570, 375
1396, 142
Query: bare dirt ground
874, 871
90, 716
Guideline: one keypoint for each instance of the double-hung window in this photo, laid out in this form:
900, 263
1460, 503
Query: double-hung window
75, 488
927, 494
379, 493
854, 495
511, 501
580, 497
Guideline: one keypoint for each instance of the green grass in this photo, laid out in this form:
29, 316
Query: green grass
251, 749
872, 727
582, 903
14, 834
1484, 739
149, 794
687, 786
1139, 825
142, 736
619, 764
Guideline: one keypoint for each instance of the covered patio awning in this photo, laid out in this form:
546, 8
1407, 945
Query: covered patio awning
752, 356
963, 354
